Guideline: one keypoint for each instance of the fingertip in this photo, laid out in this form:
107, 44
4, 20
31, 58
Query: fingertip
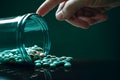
60, 16
39, 12
47, 6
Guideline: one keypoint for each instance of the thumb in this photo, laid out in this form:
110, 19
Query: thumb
67, 8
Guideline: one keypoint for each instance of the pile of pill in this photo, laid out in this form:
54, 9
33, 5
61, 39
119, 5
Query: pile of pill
39, 58
12, 56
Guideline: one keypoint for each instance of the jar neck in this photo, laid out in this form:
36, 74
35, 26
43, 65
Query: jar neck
22, 29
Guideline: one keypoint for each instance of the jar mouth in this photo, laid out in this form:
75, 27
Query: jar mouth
22, 39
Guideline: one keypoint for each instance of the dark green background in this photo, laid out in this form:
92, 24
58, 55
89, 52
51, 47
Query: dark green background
99, 42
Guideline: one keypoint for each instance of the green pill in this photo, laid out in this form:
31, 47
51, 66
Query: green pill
40, 59
10, 54
46, 64
37, 61
38, 64
68, 58
52, 65
67, 64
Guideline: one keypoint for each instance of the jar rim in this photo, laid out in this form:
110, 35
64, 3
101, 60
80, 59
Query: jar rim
20, 31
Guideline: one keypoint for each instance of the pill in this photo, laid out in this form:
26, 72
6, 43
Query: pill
67, 64
38, 64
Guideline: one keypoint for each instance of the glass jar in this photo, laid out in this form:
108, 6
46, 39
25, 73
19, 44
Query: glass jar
19, 33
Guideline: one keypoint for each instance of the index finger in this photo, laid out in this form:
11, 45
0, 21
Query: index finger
47, 6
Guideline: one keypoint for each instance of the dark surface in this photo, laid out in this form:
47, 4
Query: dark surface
81, 70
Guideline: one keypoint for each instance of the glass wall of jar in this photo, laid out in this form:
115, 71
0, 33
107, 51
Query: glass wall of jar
23, 38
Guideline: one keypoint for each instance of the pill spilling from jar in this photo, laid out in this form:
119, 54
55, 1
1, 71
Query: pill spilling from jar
39, 58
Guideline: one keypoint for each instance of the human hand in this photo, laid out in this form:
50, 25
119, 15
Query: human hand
80, 13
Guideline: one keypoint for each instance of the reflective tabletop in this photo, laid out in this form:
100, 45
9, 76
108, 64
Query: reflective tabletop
80, 70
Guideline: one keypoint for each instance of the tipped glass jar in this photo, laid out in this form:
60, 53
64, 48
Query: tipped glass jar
22, 37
